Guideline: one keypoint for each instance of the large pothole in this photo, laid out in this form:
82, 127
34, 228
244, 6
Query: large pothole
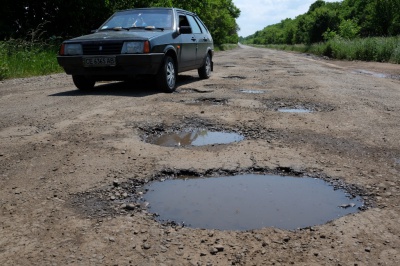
227, 200
245, 202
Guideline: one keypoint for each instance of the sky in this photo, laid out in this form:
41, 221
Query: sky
257, 14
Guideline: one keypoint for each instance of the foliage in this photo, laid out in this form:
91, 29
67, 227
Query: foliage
65, 19
379, 49
349, 29
324, 21
25, 58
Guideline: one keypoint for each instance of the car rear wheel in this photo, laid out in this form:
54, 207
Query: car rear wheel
166, 77
205, 70
83, 83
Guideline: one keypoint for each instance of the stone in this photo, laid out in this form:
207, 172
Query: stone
213, 251
219, 248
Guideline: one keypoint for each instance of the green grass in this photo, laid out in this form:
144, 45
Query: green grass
226, 47
377, 49
25, 59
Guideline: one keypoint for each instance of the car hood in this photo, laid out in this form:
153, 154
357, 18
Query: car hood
121, 35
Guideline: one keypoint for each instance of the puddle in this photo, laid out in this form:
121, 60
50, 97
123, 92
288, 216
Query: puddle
294, 110
197, 137
252, 91
294, 106
375, 74
250, 201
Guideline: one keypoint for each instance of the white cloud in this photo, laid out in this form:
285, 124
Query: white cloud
257, 14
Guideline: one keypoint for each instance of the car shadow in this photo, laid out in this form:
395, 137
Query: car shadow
131, 88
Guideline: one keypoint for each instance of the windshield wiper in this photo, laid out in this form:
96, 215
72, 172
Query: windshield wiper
115, 29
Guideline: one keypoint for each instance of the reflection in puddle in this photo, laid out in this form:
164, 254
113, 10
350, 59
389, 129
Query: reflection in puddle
197, 137
294, 110
246, 202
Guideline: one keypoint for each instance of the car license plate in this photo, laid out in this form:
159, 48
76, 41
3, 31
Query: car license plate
99, 61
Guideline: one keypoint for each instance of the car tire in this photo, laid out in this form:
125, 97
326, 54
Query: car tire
205, 70
83, 83
166, 77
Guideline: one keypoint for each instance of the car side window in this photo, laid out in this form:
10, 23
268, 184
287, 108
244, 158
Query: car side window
183, 21
203, 28
194, 25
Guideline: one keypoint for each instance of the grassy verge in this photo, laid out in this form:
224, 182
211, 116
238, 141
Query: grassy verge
24, 59
225, 47
377, 49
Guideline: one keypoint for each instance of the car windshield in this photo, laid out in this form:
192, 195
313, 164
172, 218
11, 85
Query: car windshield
148, 19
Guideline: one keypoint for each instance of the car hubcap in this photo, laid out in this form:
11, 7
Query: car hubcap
208, 66
170, 74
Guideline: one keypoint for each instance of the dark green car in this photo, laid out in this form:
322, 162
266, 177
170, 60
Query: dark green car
146, 41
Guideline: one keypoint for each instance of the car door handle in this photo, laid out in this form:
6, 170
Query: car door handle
193, 39
205, 39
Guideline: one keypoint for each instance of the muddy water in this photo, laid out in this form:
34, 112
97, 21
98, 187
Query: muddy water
247, 202
196, 137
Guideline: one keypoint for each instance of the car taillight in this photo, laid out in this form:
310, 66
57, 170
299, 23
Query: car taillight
62, 49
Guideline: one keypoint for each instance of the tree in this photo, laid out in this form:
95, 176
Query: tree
45, 18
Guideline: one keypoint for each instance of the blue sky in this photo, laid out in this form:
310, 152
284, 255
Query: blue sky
257, 14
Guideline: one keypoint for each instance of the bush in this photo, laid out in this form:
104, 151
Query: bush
378, 49
19, 58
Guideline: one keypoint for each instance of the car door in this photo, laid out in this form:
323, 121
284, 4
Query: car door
201, 36
188, 51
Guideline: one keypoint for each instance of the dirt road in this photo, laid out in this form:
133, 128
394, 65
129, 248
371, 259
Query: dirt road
67, 158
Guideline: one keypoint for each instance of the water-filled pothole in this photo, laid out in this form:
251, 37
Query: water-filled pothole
294, 110
294, 106
376, 74
251, 201
251, 91
195, 137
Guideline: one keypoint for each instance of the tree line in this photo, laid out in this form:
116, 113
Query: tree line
348, 19
60, 19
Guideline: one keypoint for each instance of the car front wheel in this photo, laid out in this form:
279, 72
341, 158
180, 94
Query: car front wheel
205, 70
83, 83
166, 77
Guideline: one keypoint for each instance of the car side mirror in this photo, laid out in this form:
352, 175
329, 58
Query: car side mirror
185, 30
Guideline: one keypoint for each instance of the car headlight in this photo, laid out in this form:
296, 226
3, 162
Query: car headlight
135, 47
71, 49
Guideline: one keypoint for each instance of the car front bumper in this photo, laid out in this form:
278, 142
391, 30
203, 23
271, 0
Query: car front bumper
125, 65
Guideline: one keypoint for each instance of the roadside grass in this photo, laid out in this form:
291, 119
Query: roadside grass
226, 47
376, 49
25, 59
